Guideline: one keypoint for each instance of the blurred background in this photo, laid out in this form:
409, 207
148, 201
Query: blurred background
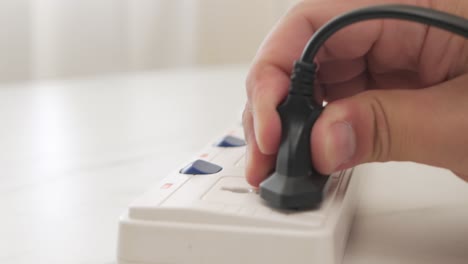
55, 39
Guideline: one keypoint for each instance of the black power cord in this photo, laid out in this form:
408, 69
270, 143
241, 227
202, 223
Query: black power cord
454, 24
296, 184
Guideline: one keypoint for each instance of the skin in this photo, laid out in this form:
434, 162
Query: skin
397, 90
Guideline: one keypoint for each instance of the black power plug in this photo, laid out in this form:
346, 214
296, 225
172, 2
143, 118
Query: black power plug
295, 183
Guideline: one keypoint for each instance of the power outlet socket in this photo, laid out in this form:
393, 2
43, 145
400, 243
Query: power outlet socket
219, 218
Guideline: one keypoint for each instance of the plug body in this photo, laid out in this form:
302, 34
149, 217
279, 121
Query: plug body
295, 184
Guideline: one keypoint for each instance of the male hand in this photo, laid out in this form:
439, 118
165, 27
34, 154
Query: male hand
397, 90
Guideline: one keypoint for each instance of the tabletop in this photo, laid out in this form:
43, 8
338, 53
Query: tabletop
75, 153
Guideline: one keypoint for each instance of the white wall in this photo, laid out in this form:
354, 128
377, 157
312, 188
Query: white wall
78, 37
15, 40
162, 33
231, 32
69, 38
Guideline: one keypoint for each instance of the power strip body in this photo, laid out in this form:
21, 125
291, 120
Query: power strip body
218, 218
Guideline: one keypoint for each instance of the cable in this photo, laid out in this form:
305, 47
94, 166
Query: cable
303, 74
449, 22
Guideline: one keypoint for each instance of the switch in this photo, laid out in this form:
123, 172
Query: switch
201, 167
230, 141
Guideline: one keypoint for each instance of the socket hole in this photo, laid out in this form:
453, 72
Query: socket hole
238, 189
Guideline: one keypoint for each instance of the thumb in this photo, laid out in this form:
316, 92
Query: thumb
426, 126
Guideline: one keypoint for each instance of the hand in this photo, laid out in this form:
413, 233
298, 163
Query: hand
397, 90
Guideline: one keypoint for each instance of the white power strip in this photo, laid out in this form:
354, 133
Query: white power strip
217, 218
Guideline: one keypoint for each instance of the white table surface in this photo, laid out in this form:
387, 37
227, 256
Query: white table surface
75, 153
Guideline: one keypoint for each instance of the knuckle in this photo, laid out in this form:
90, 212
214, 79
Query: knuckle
463, 176
382, 136
297, 7
257, 74
247, 123
247, 114
259, 88
259, 94
250, 82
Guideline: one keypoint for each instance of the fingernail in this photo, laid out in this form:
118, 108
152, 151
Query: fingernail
340, 144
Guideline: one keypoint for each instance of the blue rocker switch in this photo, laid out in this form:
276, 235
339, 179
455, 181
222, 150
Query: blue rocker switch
201, 167
230, 141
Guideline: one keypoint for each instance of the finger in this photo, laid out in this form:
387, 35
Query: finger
349, 88
268, 79
289, 37
341, 71
269, 89
426, 126
463, 176
258, 165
